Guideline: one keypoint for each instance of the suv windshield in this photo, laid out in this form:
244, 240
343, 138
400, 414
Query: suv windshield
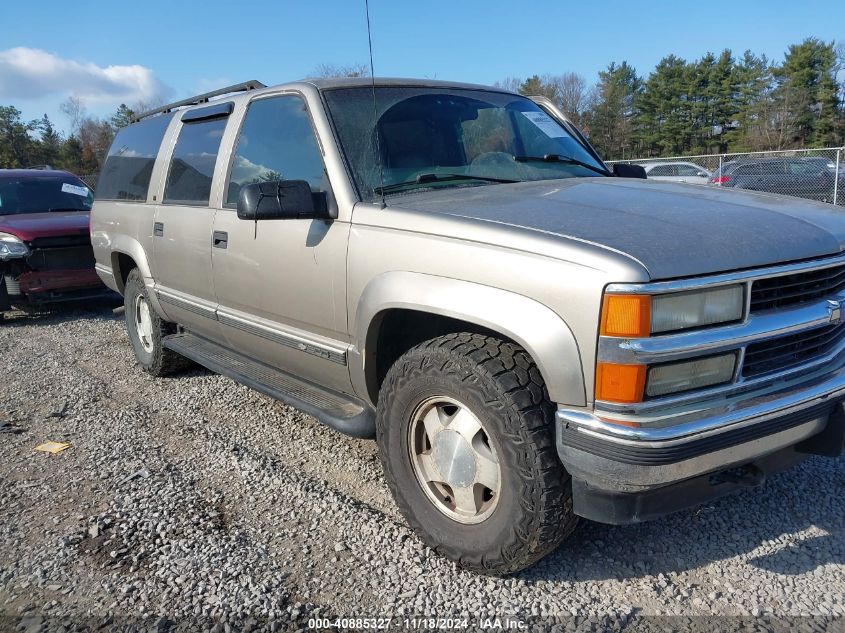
449, 137
42, 194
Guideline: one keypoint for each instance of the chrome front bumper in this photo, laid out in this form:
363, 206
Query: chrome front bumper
634, 460
731, 432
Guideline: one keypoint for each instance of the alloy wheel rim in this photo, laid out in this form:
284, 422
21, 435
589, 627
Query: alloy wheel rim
454, 461
144, 324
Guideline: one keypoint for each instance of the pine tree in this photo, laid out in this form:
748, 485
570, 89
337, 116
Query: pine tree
50, 143
664, 116
122, 117
539, 86
17, 147
612, 120
807, 94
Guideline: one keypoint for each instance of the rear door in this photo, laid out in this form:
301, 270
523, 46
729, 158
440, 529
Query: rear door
749, 176
663, 172
775, 178
692, 174
184, 221
810, 179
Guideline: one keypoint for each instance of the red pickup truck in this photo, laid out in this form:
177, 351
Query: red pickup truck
45, 246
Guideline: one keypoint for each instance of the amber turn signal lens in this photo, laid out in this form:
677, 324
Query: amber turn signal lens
620, 383
626, 315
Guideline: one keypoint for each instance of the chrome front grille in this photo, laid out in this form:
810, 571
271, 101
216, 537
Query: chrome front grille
793, 326
796, 288
785, 352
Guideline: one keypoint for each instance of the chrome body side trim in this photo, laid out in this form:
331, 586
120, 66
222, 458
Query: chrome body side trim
186, 304
309, 346
334, 354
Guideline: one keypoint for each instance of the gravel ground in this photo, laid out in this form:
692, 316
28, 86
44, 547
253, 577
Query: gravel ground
194, 503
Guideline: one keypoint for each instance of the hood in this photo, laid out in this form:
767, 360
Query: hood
672, 229
30, 226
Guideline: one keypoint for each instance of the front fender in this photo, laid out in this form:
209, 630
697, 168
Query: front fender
539, 330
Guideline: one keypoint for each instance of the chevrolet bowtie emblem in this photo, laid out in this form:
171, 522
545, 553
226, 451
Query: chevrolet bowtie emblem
834, 311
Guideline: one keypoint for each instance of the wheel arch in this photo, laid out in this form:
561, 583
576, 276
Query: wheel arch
460, 306
126, 254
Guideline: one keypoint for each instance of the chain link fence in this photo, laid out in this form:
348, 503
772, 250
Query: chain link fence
90, 180
816, 174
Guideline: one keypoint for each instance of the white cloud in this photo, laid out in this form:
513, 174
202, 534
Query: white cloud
244, 170
31, 73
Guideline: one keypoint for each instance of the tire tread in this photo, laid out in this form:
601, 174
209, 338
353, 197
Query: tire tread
545, 494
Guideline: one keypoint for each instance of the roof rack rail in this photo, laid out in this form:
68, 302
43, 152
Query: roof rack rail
44, 167
241, 87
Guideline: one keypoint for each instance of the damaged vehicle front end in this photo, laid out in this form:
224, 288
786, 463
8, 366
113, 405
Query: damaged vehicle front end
45, 248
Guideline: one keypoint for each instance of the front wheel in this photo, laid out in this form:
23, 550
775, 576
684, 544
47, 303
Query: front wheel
465, 433
146, 330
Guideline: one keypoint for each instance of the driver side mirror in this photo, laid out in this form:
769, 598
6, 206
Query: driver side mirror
622, 170
282, 200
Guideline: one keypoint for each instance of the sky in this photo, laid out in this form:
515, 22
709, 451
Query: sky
111, 52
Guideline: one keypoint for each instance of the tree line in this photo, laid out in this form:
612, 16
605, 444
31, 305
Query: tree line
716, 104
38, 143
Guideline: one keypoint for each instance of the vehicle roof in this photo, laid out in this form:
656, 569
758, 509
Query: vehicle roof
654, 163
358, 82
34, 173
768, 159
323, 85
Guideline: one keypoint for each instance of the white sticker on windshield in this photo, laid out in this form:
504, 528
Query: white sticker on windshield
545, 123
74, 189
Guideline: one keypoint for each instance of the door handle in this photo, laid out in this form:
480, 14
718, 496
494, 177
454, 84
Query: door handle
220, 239
158, 229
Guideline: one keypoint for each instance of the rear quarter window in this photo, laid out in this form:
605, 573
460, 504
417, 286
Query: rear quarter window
129, 163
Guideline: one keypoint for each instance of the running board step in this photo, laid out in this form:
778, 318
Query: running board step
339, 411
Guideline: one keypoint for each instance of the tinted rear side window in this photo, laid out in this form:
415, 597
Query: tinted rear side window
129, 164
689, 170
663, 170
749, 170
192, 165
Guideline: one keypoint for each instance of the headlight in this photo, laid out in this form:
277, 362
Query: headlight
684, 310
641, 316
693, 374
636, 316
12, 247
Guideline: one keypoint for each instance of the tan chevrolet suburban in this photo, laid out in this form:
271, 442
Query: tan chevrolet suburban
530, 336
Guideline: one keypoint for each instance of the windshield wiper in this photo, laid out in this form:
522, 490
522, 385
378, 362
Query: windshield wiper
557, 158
423, 179
66, 209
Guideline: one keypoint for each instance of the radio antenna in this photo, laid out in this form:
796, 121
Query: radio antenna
375, 108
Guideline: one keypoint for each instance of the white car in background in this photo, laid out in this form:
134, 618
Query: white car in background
677, 172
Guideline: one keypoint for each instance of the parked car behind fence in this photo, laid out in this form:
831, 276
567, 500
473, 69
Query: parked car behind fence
817, 174
680, 171
805, 177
